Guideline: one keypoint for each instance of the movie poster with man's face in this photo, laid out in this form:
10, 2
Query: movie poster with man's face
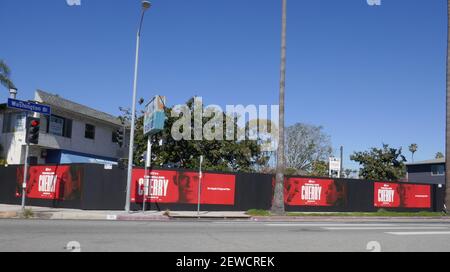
166, 186
314, 192
401, 195
51, 182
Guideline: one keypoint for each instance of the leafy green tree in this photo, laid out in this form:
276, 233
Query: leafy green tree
385, 164
319, 169
439, 155
289, 172
219, 155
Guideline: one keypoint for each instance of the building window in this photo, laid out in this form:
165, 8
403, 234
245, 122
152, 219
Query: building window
60, 126
13, 122
437, 170
89, 133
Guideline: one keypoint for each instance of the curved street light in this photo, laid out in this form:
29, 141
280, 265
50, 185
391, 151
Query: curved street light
145, 6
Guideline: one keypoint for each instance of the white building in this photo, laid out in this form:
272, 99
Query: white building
72, 134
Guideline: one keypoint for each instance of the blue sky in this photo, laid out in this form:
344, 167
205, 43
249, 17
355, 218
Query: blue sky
368, 75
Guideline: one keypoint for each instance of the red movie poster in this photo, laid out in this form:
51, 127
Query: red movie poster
314, 192
165, 186
415, 196
51, 182
395, 195
386, 195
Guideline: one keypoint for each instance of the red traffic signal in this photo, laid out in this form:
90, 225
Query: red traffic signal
33, 127
34, 123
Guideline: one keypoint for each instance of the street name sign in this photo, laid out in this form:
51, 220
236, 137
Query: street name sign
29, 106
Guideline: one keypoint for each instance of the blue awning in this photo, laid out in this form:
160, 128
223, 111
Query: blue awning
75, 158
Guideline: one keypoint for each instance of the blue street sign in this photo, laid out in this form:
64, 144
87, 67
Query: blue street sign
29, 106
154, 116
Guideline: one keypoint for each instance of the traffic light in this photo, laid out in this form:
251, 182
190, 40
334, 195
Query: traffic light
119, 137
33, 127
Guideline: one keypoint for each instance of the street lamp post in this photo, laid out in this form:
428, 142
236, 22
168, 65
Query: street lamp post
145, 6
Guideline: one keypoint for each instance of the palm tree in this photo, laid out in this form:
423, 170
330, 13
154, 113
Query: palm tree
439, 155
278, 198
412, 149
5, 73
447, 129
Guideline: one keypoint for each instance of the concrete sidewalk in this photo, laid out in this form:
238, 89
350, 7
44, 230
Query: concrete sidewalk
14, 211
210, 215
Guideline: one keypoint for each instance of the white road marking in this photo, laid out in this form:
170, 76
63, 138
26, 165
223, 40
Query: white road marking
330, 225
385, 228
421, 233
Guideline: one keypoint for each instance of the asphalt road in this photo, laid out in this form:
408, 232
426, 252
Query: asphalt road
222, 236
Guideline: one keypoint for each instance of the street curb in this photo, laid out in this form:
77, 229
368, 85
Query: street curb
10, 214
175, 215
101, 217
142, 218
208, 217
47, 215
346, 218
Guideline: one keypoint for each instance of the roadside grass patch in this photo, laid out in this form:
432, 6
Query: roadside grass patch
27, 214
382, 213
255, 212
379, 213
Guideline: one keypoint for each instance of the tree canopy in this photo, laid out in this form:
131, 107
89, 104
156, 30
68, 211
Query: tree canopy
384, 164
307, 148
219, 155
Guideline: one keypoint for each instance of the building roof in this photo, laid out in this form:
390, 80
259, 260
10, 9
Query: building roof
435, 161
57, 101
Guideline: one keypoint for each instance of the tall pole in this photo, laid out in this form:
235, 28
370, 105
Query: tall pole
148, 165
447, 127
25, 174
278, 199
199, 186
341, 170
145, 6
25, 165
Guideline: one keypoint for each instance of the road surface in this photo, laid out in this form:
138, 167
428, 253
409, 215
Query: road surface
222, 236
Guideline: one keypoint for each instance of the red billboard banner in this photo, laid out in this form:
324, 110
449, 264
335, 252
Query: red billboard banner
314, 192
415, 196
51, 182
396, 195
167, 186
386, 195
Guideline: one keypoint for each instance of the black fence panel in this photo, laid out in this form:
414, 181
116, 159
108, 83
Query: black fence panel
360, 195
253, 191
96, 187
439, 198
104, 189
8, 185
